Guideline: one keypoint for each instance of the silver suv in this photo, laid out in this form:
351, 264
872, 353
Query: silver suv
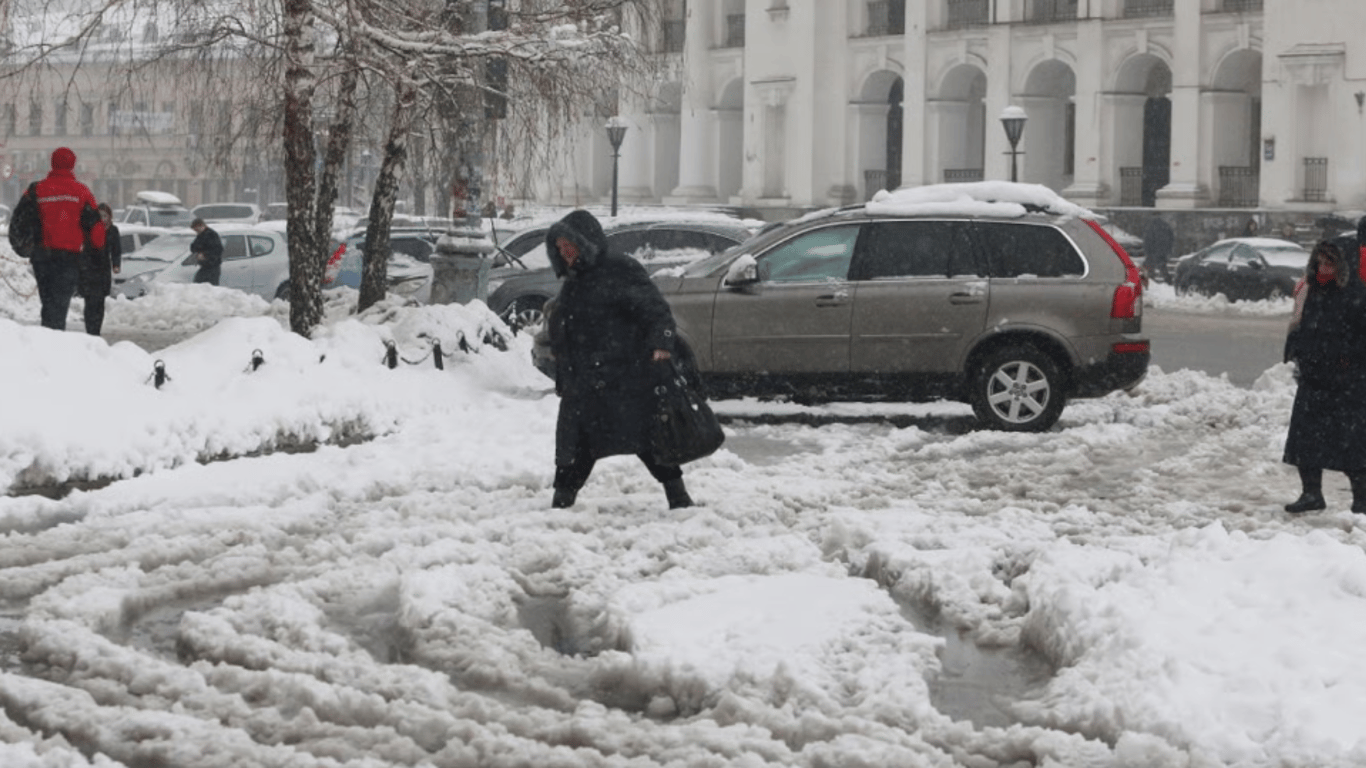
1003, 296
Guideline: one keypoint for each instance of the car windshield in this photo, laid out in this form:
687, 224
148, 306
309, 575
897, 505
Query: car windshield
169, 217
168, 247
223, 212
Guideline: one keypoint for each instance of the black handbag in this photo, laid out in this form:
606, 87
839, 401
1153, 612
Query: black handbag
684, 428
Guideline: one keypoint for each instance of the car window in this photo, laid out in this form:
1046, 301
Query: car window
161, 217
412, 247
136, 216
126, 244
1218, 254
629, 243
1036, 250
234, 247
896, 249
260, 246
1244, 255
223, 212
822, 254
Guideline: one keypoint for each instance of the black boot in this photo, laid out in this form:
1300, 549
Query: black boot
1358, 480
564, 498
1311, 498
1309, 501
677, 494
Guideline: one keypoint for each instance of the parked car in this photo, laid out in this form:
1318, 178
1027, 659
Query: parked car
275, 212
157, 252
255, 260
993, 294
518, 293
132, 237
1242, 268
408, 273
157, 209
224, 214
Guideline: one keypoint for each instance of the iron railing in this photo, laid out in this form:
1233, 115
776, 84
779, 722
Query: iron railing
1142, 8
872, 182
1131, 185
958, 175
1051, 11
735, 31
1239, 6
1315, 179
1239, 186
968, 13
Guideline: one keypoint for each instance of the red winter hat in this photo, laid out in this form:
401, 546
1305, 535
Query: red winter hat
63, 159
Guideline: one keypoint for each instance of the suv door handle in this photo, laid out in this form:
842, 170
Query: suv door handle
832, 299
965, 298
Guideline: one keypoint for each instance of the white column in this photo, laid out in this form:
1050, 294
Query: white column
697, 138
730, 155
1184, 189
636, 154
867, 148
916, 144
1090, 161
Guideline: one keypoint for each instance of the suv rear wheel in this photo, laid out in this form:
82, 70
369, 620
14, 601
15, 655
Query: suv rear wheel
1018, 389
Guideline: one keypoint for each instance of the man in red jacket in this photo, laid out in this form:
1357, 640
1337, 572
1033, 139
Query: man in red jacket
71, 224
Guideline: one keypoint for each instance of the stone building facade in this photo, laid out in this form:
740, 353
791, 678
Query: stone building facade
1156, 105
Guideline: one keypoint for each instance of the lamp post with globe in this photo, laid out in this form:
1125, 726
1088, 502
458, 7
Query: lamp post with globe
1013, 120
616, 132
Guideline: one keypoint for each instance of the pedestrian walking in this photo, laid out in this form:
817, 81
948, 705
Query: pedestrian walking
71, 226
1328, 346
1158, 240
207, 250
98, 267
610, 332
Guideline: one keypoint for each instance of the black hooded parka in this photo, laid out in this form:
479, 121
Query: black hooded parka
1328, 419
606, 323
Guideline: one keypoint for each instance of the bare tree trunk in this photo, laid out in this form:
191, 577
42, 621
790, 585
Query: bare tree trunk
374, 268
305, 262
338, 142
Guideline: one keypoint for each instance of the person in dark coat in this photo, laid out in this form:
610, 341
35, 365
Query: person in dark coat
71, 226
98, 267
207, 249
1328, 346
1158, 240
609, 332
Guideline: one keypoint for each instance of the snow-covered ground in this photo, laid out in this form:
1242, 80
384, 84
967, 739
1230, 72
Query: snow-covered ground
326, 562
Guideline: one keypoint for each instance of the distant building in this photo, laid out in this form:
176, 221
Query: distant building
1168, 104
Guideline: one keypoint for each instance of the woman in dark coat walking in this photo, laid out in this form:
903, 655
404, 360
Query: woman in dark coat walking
609, 332
1328, 420
97, 269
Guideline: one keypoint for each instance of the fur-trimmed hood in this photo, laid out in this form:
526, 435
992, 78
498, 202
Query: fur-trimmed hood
582, 229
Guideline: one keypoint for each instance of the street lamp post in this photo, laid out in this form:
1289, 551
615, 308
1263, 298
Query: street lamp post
1013, 119
616, 131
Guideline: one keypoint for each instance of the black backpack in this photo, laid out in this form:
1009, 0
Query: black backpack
25, 226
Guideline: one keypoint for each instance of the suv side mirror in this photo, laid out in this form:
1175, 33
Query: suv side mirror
743, 271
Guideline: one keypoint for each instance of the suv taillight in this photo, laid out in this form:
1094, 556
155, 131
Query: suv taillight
1127, 302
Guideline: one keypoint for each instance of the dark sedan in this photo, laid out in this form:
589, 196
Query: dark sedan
1242, 269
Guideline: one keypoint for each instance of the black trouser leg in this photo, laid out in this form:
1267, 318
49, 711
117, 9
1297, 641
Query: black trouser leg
94, 314
571, 477
1358, 481
660, 472
56, 274
1311, 479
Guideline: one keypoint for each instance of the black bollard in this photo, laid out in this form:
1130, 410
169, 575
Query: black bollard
159, 374
437, 355
390, 355
257, 359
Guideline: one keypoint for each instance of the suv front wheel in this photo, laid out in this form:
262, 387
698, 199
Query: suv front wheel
1018, 389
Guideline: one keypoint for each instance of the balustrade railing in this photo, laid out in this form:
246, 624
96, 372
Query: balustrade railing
1238, 186
1315, 179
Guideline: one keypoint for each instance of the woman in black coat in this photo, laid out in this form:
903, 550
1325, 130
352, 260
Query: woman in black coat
1328, 420
610, 332
97, 269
